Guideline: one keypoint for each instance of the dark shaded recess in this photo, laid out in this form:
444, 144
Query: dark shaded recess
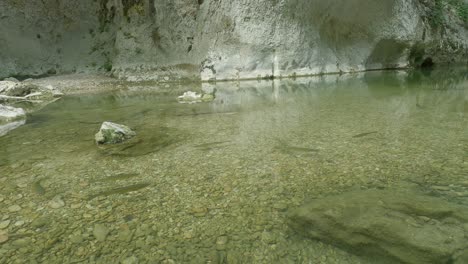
416, 55
200, 2
152, 9
387, 52
427, 63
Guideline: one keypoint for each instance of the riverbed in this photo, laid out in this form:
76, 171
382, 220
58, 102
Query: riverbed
214, 182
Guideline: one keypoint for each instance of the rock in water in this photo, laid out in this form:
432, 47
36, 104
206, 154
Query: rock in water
190, 98
8, 113
395, 225
111, 133
193, 97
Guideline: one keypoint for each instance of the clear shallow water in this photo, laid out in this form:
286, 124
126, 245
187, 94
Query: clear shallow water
213, 182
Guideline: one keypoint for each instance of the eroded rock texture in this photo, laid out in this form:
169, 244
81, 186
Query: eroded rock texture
211, 39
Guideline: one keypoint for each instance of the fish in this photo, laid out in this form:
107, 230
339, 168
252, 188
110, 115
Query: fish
293, 149
117, 177
38, 188
210, 144
120, 190
288, 149
364, 134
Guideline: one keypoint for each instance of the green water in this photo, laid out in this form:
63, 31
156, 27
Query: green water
213, 182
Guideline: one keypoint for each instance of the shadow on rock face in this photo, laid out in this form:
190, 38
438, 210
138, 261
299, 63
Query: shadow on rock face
395, 225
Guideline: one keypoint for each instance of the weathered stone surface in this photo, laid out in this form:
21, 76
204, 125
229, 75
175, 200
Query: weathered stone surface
6, 86
398, 225
173, 40
111, 133
100, 232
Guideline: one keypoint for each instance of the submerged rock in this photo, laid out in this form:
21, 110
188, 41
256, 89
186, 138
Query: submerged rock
112, 133
100, 232
5, 128
396, 225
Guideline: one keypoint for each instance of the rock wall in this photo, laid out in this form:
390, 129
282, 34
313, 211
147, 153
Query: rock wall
48, 37
168, 40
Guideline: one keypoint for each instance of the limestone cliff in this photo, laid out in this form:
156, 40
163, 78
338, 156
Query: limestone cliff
212, 39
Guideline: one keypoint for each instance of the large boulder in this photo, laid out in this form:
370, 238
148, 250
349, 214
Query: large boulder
28, 90
393, 226
112, 133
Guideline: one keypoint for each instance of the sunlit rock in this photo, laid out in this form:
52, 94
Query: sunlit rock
400, 225
194, 97
6, 86
111, 133
8, 114
190, 98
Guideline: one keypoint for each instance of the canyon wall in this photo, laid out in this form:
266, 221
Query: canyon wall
170, 40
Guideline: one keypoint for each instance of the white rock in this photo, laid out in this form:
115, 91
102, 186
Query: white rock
6, 85
8, 113
19, 223
190, 97
112, 133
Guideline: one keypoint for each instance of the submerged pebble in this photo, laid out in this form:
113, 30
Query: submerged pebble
3, 237
56, 203
4, 224
100, 232
14, 208
199, 211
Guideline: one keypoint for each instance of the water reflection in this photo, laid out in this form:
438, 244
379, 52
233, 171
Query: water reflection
212, 182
